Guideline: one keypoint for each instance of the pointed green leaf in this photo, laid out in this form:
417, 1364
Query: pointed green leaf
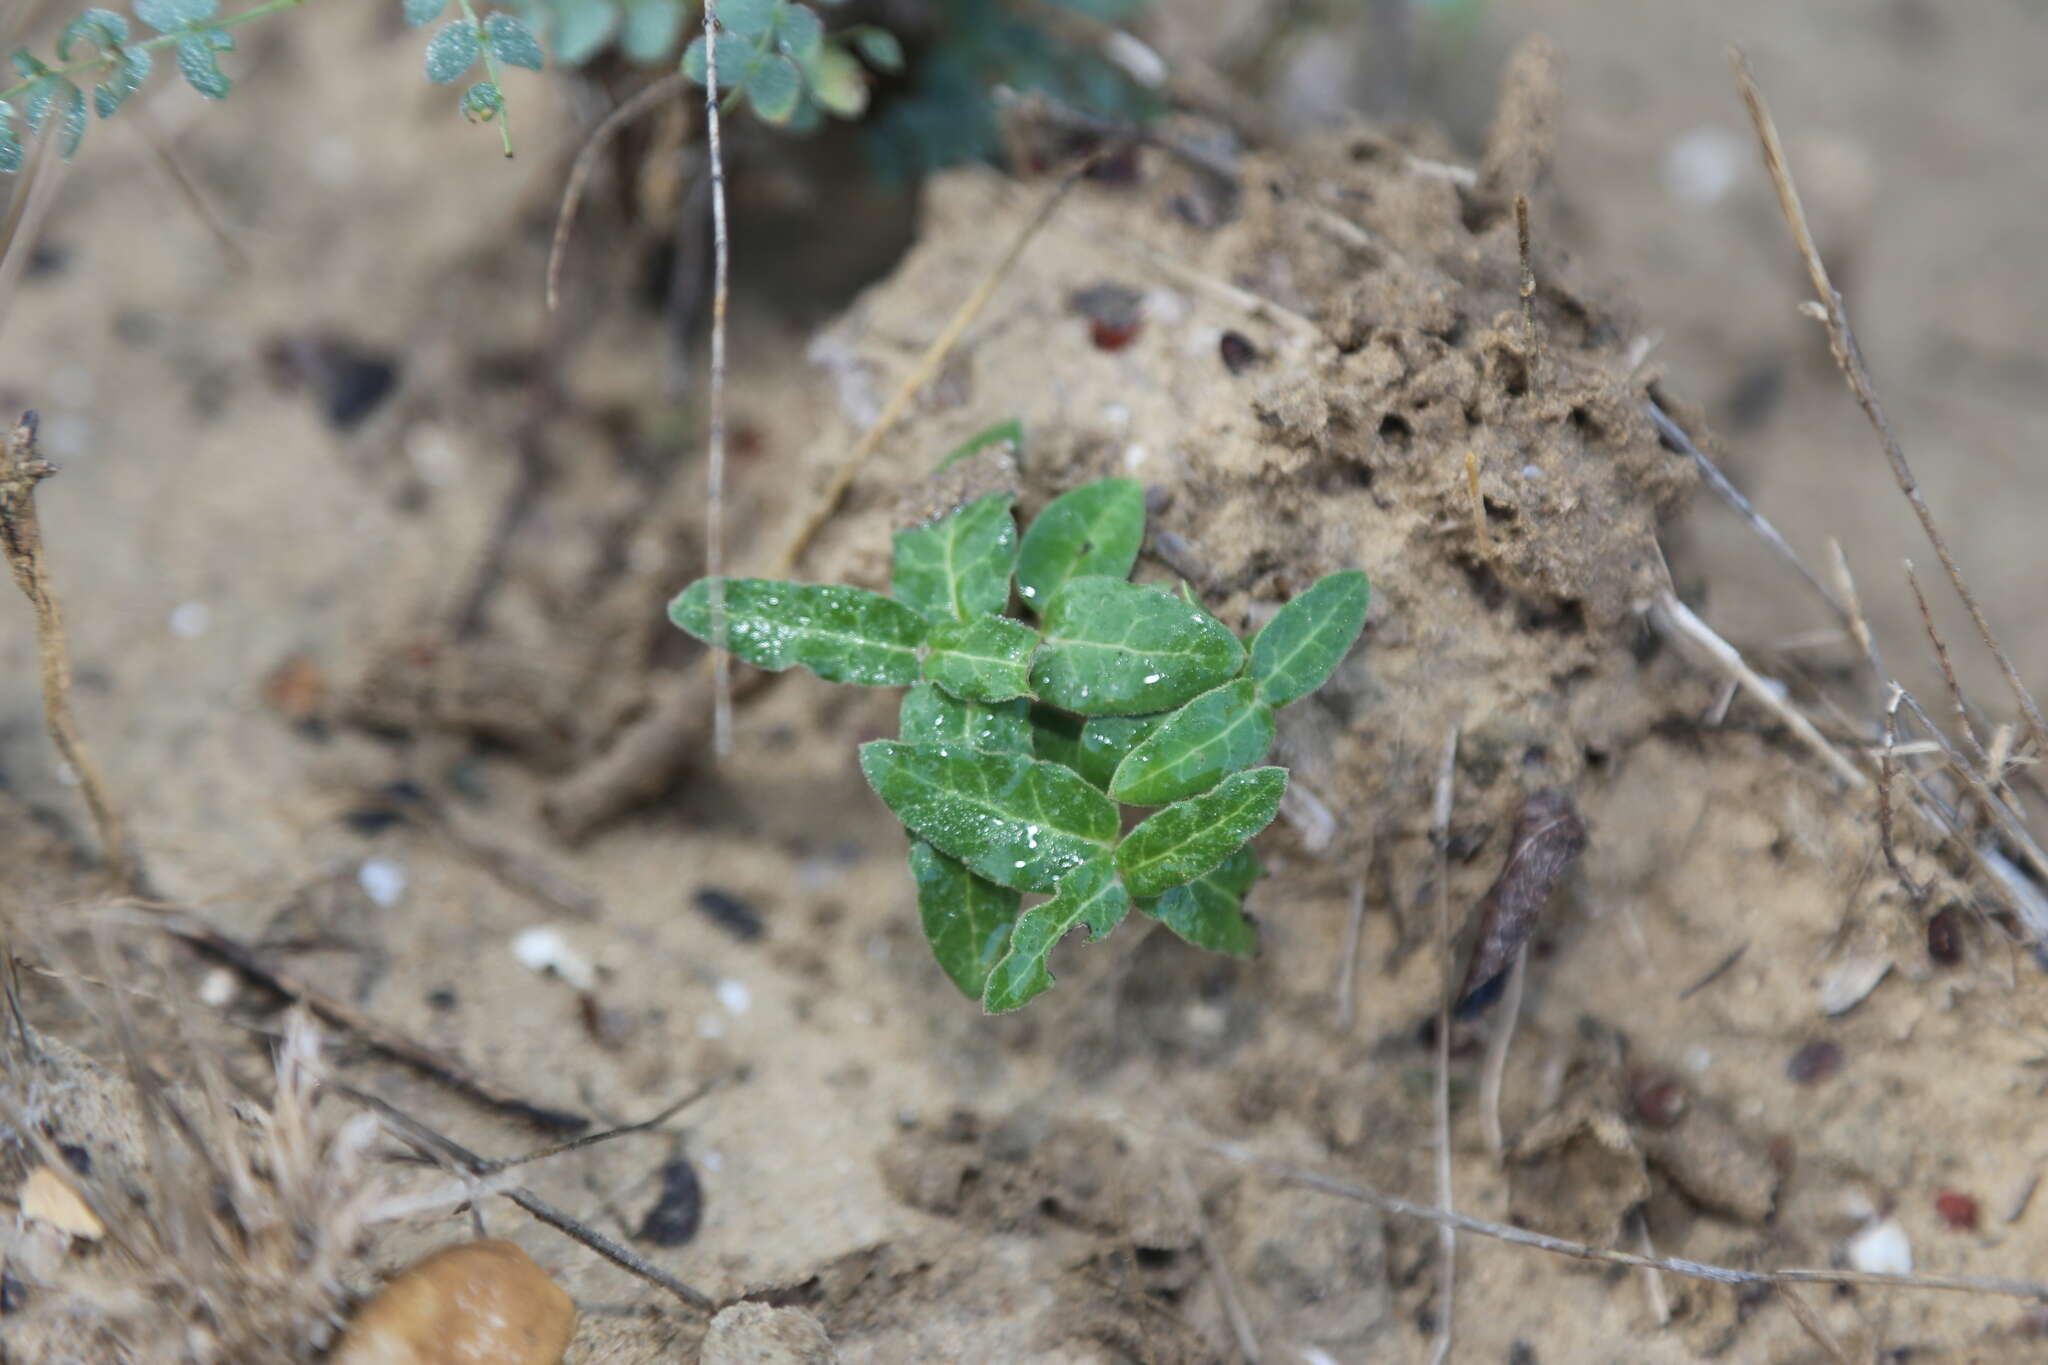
483, 102
735, 56
197, 64
799, 32
1056, 737
1089, 895
1208, 911
1104, 742
773, 85
878, 47
1094, 529
10, 143
103, 28
1302, 645
1217, 733
958, 567
166, 16
129, 72
986, 659
1118, 649
1009, 434
929, 716
1185, 840
836, 82
747, 18
452, 52
652, 27
418, 12
512, 43
842, 634
1013, 820
966, 918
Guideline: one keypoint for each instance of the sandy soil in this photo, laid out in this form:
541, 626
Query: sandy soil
930, 1184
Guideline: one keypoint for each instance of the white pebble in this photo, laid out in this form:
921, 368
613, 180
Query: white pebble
1882, 1249
217, 988
1165, 306
711, 1160
1700, 168
1699, 1059
1134, 456
1139, 61
1848, 981
735, 996
543, 949
189, 620
382, 880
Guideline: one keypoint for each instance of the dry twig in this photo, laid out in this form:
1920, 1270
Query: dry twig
1440, 837
1219, 1269
1494, 1073
714, 468
1948, 676
642, 103
1347, 961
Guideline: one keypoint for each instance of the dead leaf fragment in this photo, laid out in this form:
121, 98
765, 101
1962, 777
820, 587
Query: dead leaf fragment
475, 1301
47, 1197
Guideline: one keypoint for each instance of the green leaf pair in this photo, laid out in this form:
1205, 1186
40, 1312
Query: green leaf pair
1020, 741
777, 57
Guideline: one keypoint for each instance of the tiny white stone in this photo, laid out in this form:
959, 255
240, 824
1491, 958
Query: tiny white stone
1882, 1249
1135, 455
189, 620
382, 880
544, 949
735, 996
1165, 306
67, 776
1699, 1058
1316, 1355
711, 1160
217, 988
1116, 415
1139, 61
1849, 981
1701, 167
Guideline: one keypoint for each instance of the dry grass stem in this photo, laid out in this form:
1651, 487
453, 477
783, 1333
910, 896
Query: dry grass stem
21, 538
1948, 677
1810, 1322
642, 103
714, 460
1440, 838
1494, 1073
1849, 358
1528, 288
1226, 1283
1347, 961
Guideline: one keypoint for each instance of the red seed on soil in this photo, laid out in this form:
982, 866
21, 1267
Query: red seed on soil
1945, 938
1815, 1062
1957, 1209
1658, 1099
1111, 336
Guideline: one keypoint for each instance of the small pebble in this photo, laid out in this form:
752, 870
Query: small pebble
1957, 1209
296, 689
1814, 1062
735, 996
759, 1334
678, 1210
1945, 938
469, 1303
1238, 352
730, 913
382, 880
189, 620
1849, 981
217, 988
1702, 166
1882, 1249
47, 1197
543, 949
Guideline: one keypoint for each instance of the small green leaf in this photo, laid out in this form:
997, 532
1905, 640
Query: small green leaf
966, 919
167, 16
1013, 820
799, 32
773, 85
747, 18
1117, 649
10, 144
57, 100
652, 27
986, 659
103, 28
1056, 737
836, 82
1217, 733
129, 72
512, 43
27, 64
1302, 645
842, 634
418, 12
1089, 895
1185, 840
196, 61
1094, 529
1104, 742
929, 716
735, 56
878, 47
1009, 434
1208, 911
452, 52
483, 102
958, 567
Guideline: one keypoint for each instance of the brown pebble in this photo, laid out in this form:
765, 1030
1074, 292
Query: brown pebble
1814, 1062
1945, 938
296, 689
1658, 1099
1238, 352
476, 1301
1957, 1209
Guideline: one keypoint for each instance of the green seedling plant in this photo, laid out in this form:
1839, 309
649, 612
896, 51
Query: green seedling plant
1023, 733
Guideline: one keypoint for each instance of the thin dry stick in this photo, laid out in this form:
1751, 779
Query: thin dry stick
1219, 1269
144, 125
1480, 530
1347, 962
21, 537
1653, 1279
1542, 1241
1849, 359
1528, 286
642, 103
714, 476
1440, 836
623, 1257
1914, 892
1948, 676
1496, 1068
1809, 1320
928, 365
380, 1037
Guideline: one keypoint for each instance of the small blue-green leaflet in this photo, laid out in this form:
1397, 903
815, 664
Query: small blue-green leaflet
958, 566
1014, 820
483, 102
1185, 840
966, 918
834, 82
10, 145
511, 42
451, 52
1118, 649
747, 18
652, 27
418, 12
1208, 911
986, 659
1219, 732
167, 16
197, 65
1097, 528
1303, 644
103, 28
878, 47
735, 56
842, 634
1090, 895
773, 85
799, 31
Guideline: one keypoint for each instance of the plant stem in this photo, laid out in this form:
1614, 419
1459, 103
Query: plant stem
714, 492
483, 42
105, 61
